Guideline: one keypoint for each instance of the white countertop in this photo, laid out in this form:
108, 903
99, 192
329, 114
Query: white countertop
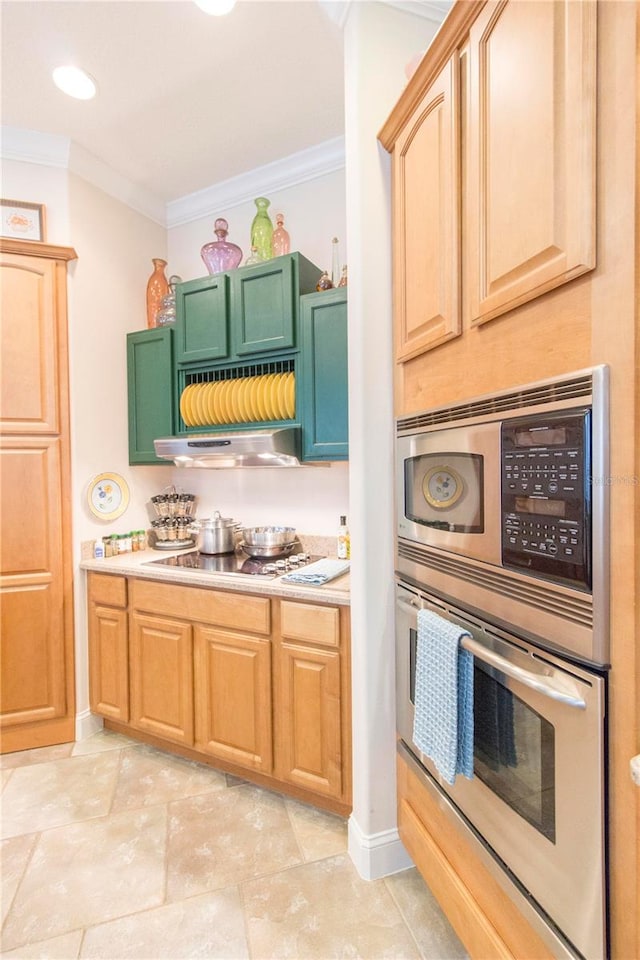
138, 565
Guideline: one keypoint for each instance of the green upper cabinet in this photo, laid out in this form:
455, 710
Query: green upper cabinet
245, 312
324, 387
263, 305
202, 319
150, 390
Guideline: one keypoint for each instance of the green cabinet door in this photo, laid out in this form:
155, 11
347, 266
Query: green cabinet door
150, 388
264, 303
324, 387
202, 319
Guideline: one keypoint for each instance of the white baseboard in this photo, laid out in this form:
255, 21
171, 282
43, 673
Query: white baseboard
377, 855
87, 724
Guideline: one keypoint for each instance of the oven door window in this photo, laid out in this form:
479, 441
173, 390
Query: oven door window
445, 491
514, 751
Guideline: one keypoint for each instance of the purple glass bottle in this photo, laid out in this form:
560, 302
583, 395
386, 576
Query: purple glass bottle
221, 254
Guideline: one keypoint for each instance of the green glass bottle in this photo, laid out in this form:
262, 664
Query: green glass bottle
262, 229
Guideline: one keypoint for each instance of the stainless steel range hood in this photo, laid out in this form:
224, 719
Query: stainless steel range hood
244, 448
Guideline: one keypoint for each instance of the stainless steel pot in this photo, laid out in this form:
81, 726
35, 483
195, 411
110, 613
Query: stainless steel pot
215, 535
268, 536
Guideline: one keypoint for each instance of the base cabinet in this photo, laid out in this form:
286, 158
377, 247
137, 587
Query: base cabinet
233, 697
309, 700
161, 665
259, 685
108, 647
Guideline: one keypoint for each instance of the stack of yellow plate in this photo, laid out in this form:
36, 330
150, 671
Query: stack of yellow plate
245, 400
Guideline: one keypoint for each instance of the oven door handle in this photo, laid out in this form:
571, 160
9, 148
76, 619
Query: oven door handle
543, 685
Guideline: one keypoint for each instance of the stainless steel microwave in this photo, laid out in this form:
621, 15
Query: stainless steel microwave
502, 503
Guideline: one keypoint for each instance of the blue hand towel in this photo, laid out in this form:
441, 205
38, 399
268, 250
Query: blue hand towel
315, 574
443, 720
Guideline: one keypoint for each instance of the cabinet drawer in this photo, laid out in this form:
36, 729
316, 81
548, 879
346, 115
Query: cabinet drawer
234, 610
311, 622
107, 589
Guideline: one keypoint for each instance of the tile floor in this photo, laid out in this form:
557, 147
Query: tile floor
113, 849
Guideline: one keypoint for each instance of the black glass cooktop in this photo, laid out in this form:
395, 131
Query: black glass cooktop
237, 564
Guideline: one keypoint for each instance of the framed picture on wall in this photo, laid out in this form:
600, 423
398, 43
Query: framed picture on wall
22, 220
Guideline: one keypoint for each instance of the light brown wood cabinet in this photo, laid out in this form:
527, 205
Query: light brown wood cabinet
108, 647
493, 158
161, 676
233, 697
259, 686
37, 685
308, 697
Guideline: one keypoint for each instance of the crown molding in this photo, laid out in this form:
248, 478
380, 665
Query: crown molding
31, 146
433, 10
51, 150
101, 175
300, 167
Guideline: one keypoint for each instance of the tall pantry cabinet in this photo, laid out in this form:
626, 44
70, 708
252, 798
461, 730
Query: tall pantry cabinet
37, 706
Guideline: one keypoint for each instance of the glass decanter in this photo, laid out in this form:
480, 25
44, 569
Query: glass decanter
262, 229
220, 255
280, 241
254, 257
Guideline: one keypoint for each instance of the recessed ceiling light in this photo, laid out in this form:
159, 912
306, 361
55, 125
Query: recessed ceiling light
217, 8
75, 82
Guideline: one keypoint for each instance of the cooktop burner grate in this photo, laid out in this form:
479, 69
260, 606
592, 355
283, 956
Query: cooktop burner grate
237, 564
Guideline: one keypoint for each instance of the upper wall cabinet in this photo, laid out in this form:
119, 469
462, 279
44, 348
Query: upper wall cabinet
150, 391
325, 390
253, 310
426, 231
202, 319
531, 166
493, 146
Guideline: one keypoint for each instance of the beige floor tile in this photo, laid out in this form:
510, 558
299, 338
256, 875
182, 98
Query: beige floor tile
5, 776
436, 938
66, 947
25, 758
324, 910
85, 873
218, 839
319, 834
209, 926
47, 795
14, 856
149, 776
100, 742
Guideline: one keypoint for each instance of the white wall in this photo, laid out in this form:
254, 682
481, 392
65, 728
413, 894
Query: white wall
314, 213
378, 43
39, 183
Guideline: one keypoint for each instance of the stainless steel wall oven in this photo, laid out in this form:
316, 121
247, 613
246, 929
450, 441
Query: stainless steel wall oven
502, 523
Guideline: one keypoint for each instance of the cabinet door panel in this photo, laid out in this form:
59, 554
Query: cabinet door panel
202, 319
108, 662
263, 307
325, 390
150, 389
531, 168
34, 612
33, 661
233, 697
308, 708
161, 676
426, 220
30, 350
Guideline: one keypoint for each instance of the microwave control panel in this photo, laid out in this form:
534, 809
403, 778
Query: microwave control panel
546, 495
